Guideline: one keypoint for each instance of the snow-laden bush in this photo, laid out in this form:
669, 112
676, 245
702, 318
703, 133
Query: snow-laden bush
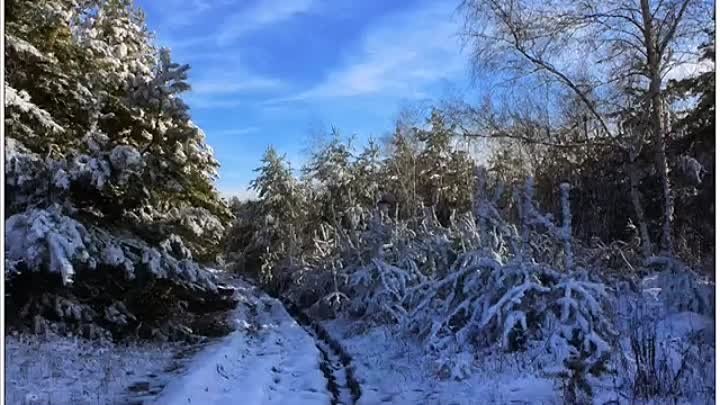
379, 289
681, 289
484, 282
107, 280
371, 268
516, 288
480, 282
485, 302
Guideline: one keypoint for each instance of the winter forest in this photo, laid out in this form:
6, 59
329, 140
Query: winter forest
554, 244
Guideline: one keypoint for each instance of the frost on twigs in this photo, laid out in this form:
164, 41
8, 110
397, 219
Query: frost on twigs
481, 282
503, 293
379, 290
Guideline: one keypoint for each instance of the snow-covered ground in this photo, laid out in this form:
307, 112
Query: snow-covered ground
66, 370
269, 359
395, 369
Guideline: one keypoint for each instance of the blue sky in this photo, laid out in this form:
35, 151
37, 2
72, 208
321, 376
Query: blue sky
270, 71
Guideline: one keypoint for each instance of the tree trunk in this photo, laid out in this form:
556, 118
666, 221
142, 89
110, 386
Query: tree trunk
656, 122
637, 205
661, 165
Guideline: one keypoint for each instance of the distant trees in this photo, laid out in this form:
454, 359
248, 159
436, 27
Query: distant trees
610, 124
419, 169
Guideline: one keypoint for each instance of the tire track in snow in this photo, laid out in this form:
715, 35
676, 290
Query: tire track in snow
268, 360
336, 363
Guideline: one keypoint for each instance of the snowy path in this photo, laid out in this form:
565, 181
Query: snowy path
269, 359
336, 362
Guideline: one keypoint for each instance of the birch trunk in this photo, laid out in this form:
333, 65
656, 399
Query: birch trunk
656, 122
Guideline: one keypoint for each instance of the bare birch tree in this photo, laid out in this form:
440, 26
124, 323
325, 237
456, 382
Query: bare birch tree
602, 52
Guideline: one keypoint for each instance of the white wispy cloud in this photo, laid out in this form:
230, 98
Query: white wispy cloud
399, 56
237, 131
181, 13
230, 89
261, 14
213, 102
233, 84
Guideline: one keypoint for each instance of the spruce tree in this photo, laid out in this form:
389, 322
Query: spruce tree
331, 172
446, 172
403, 173
367, 175
109, 181
281, 207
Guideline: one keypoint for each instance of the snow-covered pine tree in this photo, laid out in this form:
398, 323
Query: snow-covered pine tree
108, 179
446, 172
367, 171
280, 205
242, 249
147, 124
45, 68
434, 158
331, 171
181, 167
402, 171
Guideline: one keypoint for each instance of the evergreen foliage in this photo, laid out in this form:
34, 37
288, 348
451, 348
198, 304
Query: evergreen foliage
105, 170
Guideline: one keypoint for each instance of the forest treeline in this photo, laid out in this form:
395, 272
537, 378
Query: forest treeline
635, 145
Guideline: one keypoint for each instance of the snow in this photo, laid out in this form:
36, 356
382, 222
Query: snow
21, 165
21, 46
125, 157
395, 369
113, 255
97, 169
269, 359
685, 323
21, 101
68, 370
61, 179
200, 222
36, 234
